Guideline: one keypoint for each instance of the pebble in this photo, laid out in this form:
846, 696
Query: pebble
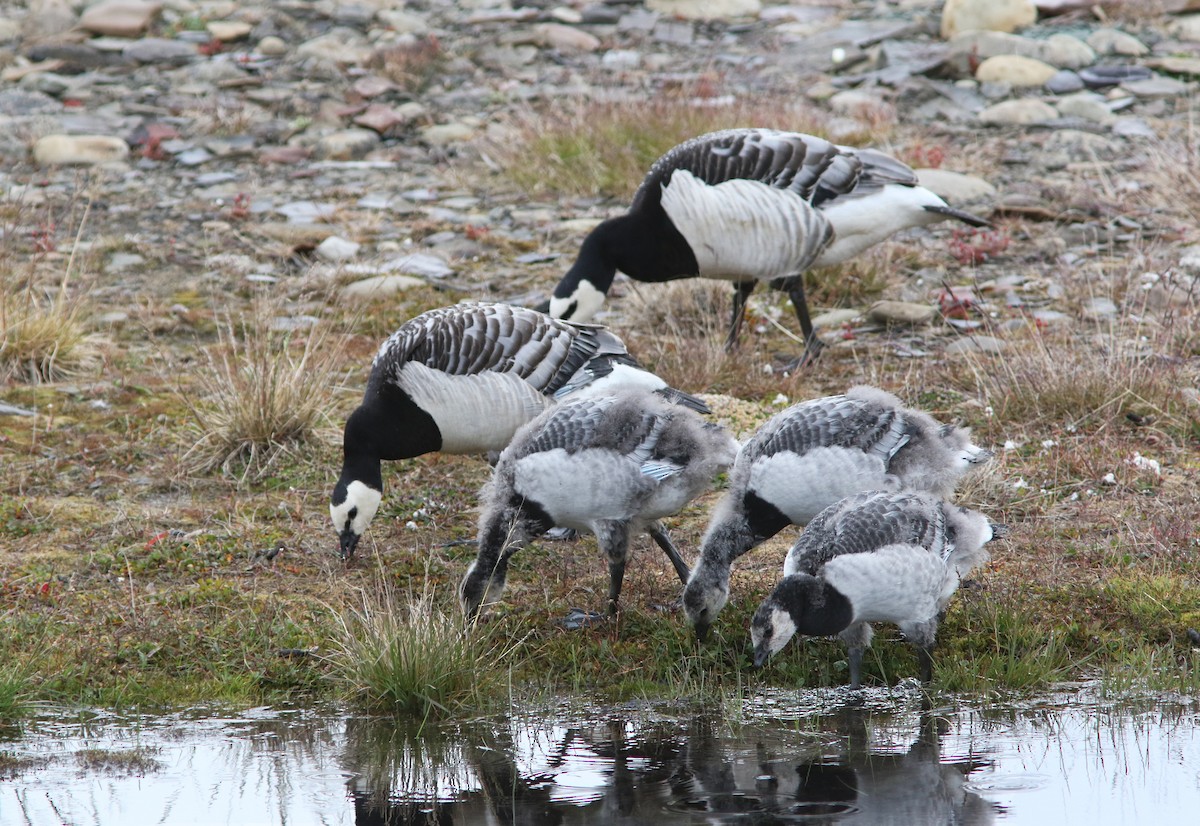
346, 144
706, 9
901, 312
380, 286
1157, 87
79, 150
272, 46
160, 50
447, 133
228, 31
565, 38
120, 18
1064, 82
1015, 70
834, 318
955, 187
1018, 112
1114, 41
335, 248
1186, 28
1086, 105
991, 15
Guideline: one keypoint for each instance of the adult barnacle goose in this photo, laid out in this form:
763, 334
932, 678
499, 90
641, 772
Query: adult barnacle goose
751, 205
874, 556
613, 465
463, 379
809, 456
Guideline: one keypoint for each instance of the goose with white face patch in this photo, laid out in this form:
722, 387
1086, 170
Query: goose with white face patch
611, 465
811, 455
873, 557
463, 379
751, 205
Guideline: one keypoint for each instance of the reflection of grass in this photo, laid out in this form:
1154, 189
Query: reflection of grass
119, 762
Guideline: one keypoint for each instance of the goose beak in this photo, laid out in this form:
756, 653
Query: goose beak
347, 542
999, 530
761, 655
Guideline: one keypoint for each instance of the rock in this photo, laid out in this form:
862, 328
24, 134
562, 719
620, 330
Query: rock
380, 286
1079, 145
1186, 27
228, 31
446, 133
46, 19
1099, 309
1114, 41
1018, 112
901, 312
79, 150
346, 144
159, 50
272, 46
1086, 105
1065, 52
1156, 87
992, 15
1176, 65
565, 38
340, 46
335, 248
976, 345
621, 60
402, 21
1102, 77
834, 318
1015, 70
381, 118
955, 187
861, 104
1064, 82
120, 18
706, 9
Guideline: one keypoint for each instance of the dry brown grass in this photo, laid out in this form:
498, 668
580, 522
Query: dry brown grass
262, 392
591, 147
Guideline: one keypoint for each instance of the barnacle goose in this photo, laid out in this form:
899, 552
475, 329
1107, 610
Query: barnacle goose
462, 379
751, 205
613, 465
809, 456
874, 556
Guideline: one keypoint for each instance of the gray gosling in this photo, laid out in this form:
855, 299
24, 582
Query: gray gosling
613, 465
809, 456
874, 556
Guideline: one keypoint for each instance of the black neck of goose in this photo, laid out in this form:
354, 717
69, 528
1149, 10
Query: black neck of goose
389, 425
816, 607
595, 263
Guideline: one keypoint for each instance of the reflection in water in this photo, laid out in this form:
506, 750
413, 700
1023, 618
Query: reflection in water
804, 757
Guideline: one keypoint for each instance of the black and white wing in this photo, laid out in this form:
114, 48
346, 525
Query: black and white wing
812, 167
468, 339
832, 421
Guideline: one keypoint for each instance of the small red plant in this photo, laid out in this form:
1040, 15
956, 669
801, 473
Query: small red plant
957, 304
975, 246
239, 210
43, 237
930, 157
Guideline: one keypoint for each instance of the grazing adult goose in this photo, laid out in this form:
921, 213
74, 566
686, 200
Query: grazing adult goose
751, 205
874, 556
463, 379
811, 455
613, 465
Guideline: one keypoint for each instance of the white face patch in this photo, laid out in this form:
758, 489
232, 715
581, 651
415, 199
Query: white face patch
362, 501
782, 630
582, 304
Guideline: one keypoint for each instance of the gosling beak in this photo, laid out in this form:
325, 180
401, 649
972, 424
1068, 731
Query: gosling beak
702, 630
761, 655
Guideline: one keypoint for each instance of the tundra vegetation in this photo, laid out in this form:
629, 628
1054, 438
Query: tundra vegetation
164, 528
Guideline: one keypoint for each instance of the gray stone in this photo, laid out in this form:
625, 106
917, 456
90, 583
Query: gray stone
1157, 87
346, 144
706, 9
121, 18
307, 212
955, 187
335, 248
1066, 52
1086, 105
1064, 82
160, 50
1099, 309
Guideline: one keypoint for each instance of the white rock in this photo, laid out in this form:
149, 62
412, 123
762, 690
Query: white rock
380, 286
79, 149
1015, 70
402, 22
565, 38
1114, 41
955, 187
445, 133
272, 46
46, 19
706, 9
1086, 105
120, 18
1065, 52
1186, 27
227, 31
1018, 112
834, 318
993, 15
335, 248
901, 312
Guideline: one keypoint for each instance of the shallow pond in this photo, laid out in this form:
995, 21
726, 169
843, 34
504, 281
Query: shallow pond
810, 757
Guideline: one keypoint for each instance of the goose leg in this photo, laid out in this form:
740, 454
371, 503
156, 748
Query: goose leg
741, 293
614, 539
659, 534
925, 662
794, 287
856, 655
857, 637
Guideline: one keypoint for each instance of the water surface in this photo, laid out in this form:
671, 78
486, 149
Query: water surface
885, 757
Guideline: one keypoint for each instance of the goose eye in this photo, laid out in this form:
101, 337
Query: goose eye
353, 512
570, 311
